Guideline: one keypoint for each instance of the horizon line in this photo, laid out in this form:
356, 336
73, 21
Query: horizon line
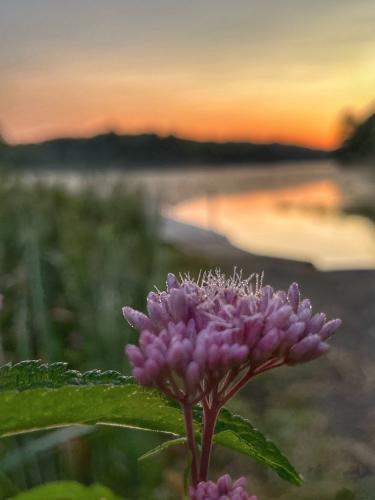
160, 135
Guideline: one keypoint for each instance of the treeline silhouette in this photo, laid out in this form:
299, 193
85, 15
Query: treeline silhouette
114, 150
359, 146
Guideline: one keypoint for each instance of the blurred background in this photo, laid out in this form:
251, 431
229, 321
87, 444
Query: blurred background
139, 138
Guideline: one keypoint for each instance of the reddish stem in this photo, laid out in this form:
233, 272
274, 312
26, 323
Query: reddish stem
209, 422
251, 373
237, 386
188, 416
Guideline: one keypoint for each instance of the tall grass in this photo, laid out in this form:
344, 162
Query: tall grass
67, 265
68, 262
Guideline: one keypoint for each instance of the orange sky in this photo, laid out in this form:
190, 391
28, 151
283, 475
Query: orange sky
263, 71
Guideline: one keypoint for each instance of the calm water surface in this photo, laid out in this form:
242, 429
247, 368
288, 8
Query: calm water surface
303, 222
289, 210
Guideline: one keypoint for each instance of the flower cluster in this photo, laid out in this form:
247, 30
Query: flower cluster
223, 489
207, 335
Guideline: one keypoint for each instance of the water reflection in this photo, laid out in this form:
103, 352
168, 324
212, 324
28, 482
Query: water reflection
301, 222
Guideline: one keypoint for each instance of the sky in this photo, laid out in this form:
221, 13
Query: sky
260, 70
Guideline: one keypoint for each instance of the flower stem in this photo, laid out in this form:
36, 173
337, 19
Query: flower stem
238, 386
188, 416
210, 416
248, 375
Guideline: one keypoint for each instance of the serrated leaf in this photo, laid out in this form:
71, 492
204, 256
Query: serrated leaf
34, 396
235, 432
67, 490
162, 447
91, 398
32, 374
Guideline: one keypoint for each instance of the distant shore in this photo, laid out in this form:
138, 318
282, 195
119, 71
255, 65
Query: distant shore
149, 150
170, 185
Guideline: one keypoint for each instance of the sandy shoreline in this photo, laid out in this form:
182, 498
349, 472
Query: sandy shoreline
287, 214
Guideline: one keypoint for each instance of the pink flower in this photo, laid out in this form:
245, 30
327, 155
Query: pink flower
210, 336
224, 489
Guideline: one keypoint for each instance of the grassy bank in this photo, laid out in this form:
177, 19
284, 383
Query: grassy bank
68, 263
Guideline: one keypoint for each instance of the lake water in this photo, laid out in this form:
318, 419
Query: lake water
289, 210
303, 222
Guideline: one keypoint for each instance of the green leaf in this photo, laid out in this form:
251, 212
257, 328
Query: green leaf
162, 447
67, 490
34, 396
32, 374
94, 397
235, 432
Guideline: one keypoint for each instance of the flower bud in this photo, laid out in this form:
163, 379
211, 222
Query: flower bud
266, 346
302, 348
157, 311
175, 355
294, 296
329, 328
295, 332
192, 375
146, 338
316, 322
224, 483
280, 317
151, 368
222, 490
135, 356
137, 319
177, 305
172, 282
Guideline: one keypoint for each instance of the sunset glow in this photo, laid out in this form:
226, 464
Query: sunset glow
258, 72
302, 223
